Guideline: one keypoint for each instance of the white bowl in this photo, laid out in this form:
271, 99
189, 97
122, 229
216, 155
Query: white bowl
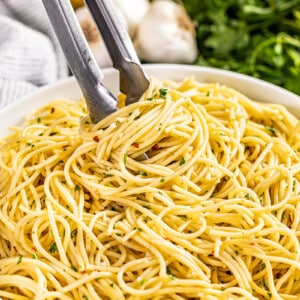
254, 88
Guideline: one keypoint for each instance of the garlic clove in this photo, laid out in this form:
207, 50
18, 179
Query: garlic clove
93, 37
133, 11
167, 34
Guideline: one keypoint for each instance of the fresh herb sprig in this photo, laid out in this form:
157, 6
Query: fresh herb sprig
260, 38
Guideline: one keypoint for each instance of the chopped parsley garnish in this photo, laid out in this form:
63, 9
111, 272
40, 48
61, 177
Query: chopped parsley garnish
169, 273
138, 229
74, 268
108, 175
143, 173
20, 259
143, 281
53, 248
271, 129
163, 93
182, 161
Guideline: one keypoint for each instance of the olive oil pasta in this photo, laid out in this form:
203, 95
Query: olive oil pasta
212, 211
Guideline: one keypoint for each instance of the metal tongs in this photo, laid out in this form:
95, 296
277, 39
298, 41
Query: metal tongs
133, 80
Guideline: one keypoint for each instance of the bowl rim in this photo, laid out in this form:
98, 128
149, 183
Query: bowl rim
154, 66
223, 72
183, 71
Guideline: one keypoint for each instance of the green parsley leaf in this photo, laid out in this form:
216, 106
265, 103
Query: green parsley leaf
53, 248
182, 161
143, 173
170, 274
254, 37
74, 268
19, 259
163, 93
271, 129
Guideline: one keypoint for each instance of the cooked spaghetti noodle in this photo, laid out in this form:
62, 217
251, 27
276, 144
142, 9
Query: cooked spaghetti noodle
212, 212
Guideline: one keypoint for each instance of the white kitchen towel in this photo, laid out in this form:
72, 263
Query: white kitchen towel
30, 55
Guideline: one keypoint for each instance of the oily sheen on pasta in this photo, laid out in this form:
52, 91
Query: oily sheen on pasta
211, 212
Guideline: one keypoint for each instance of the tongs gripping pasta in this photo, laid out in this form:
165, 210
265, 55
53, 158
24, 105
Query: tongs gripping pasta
133, 81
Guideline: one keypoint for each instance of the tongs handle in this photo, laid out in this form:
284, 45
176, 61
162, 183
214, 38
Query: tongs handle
100, 101
133, 80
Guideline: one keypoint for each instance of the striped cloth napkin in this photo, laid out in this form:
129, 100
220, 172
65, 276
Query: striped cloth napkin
30, 55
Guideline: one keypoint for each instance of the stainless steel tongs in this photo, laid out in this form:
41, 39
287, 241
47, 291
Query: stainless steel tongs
133, 80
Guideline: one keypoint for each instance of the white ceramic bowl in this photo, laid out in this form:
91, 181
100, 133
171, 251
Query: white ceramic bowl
254, 88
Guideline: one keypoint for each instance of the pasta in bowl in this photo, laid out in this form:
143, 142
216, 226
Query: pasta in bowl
212, 213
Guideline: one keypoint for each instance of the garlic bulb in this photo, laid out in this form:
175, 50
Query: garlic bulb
133, 12
93, 36
166, 34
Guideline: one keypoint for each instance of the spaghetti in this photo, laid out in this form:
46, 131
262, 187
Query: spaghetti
213, 212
